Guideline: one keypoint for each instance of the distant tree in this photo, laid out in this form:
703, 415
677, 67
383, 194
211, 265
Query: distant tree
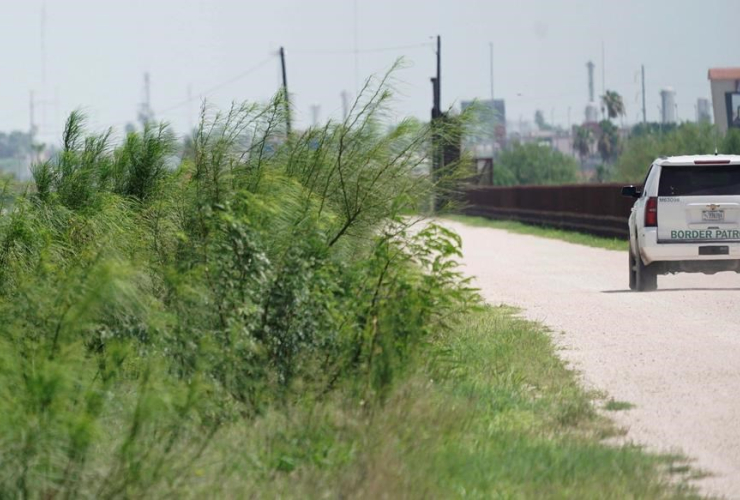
731, 143
539, 119
642, 148
583, 139
613, 103
652, 128
534, 164
608, 144
15, 145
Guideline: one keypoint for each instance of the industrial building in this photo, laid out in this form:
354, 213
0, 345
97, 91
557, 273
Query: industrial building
725, 84
703, 111
668, 105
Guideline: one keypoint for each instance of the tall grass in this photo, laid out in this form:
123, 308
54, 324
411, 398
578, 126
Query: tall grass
148, 304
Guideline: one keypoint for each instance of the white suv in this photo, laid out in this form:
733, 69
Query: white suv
685, 219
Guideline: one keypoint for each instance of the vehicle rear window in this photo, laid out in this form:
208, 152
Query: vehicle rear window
697, 181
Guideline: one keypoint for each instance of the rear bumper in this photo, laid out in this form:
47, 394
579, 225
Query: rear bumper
652, 250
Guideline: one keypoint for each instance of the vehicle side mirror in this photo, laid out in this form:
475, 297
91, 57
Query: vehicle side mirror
631, 192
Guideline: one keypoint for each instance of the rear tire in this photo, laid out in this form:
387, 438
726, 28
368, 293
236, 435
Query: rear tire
646, 279
632, 271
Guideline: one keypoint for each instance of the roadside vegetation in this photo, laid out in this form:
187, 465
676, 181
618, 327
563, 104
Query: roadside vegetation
486, 410
534, 164
261, 318
648, 143
148, 310
544, 232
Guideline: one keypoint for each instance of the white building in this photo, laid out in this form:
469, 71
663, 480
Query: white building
668, 105
703, 111
725, 84
592, 113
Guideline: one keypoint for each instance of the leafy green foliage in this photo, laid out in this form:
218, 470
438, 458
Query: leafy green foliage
147, 303
531, 163
613, 103
15, 144
608, 144
687, 139
582, 141
539, 119
731, 143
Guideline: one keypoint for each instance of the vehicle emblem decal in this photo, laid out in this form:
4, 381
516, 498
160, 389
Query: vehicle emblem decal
712, 206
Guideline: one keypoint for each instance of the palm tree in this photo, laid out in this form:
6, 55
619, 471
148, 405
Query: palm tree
582, 141
608, 144
613, 103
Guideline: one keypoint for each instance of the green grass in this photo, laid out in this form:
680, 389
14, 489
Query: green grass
544, 232
614, 405
489, 412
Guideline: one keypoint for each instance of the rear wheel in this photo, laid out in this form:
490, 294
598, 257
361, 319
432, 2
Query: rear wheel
645, 277
633, 271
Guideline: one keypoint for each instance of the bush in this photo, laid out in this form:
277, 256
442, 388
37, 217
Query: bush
534, 164
144, 309
686, 139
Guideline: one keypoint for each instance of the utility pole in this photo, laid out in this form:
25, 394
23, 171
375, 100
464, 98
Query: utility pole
446, 132
492, 95
345, 105
191, 127
644, 112
315, 111
438, 102
437, 83
603, 68
437, 146
603, 80
44, 89
285, 91
494, 114
147, 92
32, 131
356, 47
146, 114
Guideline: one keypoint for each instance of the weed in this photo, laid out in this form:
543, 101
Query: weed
614, 405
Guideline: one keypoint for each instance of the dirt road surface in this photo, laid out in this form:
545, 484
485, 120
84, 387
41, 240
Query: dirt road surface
673, 353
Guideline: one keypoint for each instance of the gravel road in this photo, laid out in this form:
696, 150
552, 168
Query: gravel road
674, 353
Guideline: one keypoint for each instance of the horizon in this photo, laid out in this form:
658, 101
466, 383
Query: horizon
198, 48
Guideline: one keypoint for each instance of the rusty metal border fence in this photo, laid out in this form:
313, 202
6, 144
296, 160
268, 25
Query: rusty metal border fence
597, 209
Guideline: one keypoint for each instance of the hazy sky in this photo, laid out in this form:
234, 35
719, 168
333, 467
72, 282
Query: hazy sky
97, 51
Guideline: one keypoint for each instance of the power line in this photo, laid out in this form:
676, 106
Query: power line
221, 85
644, 112
365, 51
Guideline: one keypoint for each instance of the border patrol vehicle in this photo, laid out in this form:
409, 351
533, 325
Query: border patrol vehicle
686, 219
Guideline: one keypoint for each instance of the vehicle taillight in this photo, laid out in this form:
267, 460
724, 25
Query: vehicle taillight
651, 212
